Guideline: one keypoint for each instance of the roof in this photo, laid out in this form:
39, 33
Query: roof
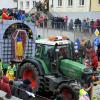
48, 42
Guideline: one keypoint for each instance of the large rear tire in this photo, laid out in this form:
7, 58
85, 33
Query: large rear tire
30, 70
69, 91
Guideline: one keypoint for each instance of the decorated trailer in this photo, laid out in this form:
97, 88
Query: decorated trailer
12, 33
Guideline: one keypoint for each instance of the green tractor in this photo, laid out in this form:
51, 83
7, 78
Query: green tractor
53, 70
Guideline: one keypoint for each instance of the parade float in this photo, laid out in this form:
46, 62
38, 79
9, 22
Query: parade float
48, 63
14, 35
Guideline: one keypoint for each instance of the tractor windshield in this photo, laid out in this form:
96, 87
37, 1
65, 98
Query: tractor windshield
63, 50
48, 51
42, 50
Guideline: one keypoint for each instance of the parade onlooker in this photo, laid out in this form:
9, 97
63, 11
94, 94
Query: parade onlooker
24, 87
94, 61
71, 25
83, 93
77, 24
92, 56
92, 26
65, 20
83, 26
11, 71
82, 47
98, 52
95, 44
4, 86
1, 64
5, 15
1, 73
98, 24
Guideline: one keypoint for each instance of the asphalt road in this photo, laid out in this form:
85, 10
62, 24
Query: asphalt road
44, 32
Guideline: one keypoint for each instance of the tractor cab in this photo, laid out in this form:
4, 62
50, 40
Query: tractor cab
45, 46
51, 51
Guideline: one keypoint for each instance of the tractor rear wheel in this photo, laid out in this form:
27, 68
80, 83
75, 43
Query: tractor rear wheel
68, 91
29, 70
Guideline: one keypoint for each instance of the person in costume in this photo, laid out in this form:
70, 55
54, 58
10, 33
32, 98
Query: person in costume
19, 47
10, 74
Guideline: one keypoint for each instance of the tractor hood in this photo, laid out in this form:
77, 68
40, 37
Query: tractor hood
72, 69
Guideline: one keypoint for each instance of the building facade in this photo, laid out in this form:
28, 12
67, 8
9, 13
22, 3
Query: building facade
95, 5
69, 5
27, 5
8, 4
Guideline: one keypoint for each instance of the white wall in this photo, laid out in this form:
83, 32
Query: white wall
64, 8
7, 4
24, 4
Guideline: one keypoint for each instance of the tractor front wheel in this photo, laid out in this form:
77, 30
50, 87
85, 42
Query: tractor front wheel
68, 91
29, 70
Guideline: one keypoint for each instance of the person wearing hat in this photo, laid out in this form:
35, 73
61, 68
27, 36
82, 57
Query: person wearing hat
4, 85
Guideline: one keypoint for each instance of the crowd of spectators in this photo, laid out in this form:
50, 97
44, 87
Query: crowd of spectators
12, 14
86, 25
11, 85
63, 23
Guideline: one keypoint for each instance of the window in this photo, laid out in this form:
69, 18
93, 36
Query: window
27, 4
15, 0
59, 2
21, 5
52, 3
34, 3
81, 2
98, 1
70, 2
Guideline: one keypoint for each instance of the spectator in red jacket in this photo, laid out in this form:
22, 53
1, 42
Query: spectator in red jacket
5, 15
92, 56
4, 86
94, 61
